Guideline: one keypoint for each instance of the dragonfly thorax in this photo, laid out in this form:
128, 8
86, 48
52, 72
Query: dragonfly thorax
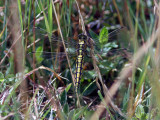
81, 42
82, 39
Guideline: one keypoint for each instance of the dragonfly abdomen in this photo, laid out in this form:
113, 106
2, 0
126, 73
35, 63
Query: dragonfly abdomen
79, 66
80, 59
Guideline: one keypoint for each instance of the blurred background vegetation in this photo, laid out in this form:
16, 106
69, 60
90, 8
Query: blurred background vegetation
120, 78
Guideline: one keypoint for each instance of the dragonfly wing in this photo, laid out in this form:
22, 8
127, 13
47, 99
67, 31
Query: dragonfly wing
53, 48
52, 56
53, 37
106, 46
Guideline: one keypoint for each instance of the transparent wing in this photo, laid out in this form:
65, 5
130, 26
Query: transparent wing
42, 33
57, 51
55, 56
53, 48
100, 48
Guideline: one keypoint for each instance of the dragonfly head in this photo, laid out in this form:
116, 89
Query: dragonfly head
82, 37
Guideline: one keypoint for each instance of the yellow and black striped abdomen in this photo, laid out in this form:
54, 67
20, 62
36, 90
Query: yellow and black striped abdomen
79, 66
80, 59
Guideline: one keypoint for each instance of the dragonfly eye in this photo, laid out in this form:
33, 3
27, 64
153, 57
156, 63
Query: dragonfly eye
82, 36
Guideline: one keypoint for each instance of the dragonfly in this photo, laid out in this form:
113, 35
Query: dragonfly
78, 49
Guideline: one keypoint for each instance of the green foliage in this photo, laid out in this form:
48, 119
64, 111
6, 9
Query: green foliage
103, 36
140, 113
1, 77
73, 114
126, 100
68, 87
89, 88
63, 97
39, 54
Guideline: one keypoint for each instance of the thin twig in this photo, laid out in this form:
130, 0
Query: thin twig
119, 17
81, 19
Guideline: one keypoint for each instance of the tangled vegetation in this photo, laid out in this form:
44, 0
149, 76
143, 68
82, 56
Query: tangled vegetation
39, 47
